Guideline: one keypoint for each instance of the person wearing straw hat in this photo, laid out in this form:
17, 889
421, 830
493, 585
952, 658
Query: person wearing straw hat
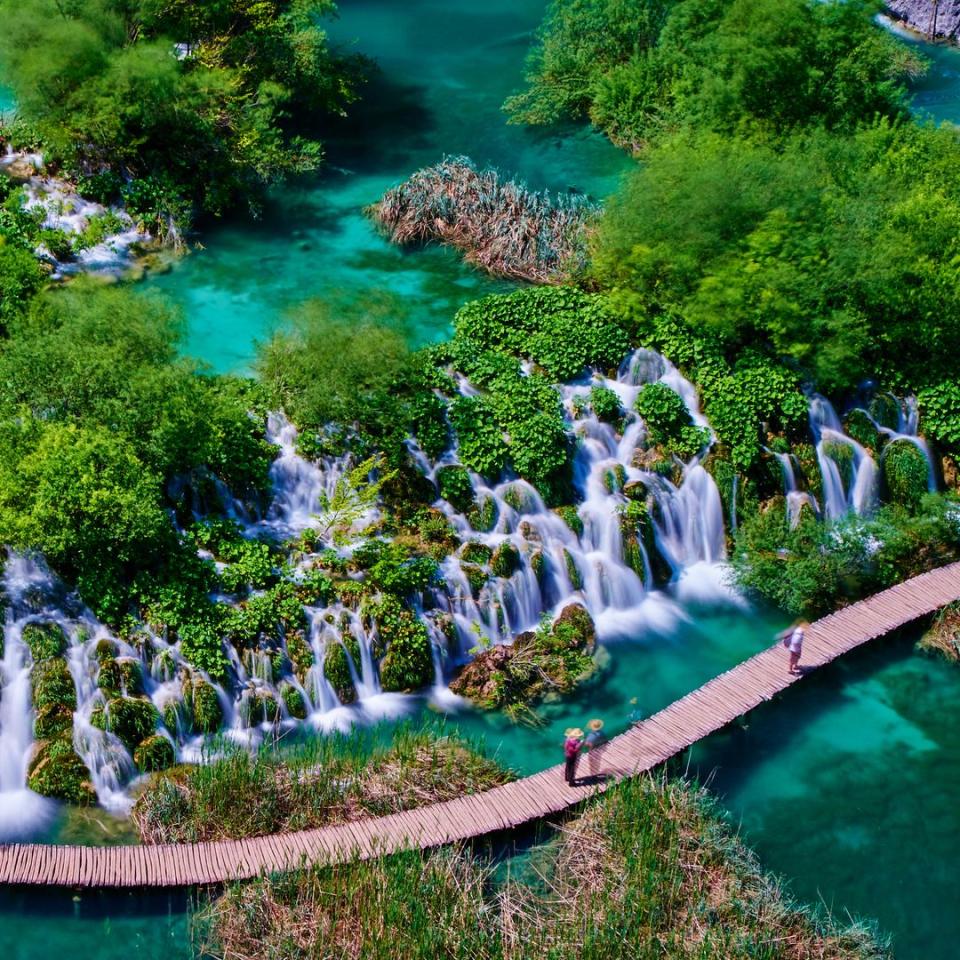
593, 741
792, 639
572, 743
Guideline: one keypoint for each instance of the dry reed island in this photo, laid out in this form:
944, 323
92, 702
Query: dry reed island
740, 370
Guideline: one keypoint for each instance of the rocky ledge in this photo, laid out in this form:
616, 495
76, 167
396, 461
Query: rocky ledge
932, 18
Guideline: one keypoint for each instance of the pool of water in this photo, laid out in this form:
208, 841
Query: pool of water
444, 71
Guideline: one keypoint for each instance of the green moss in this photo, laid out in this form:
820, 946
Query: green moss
842, 454
905, 473
56, 771
573, 572
131, 676
408, 662
474, 552
52, 720
108, 678
155, 753
571, 518
203, 706
45, 640
174, 714
857, 424
259, 705
52, 684
505, 560
299, 652
885, 409
131, 719
538, 563
294, 701
806, 456
477, 577
456, 487
106, 649
483, 516
336, 667
614, 479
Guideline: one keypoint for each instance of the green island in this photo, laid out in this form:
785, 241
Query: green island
367, 420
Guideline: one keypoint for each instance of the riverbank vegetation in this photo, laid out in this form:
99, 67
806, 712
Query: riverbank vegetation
328, 780
176, 109
651, 871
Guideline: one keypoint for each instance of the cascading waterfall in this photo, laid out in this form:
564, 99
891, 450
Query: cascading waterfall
796, 498
858, 493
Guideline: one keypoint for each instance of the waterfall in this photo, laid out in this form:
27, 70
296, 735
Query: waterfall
859, 492
795, 497
908, 423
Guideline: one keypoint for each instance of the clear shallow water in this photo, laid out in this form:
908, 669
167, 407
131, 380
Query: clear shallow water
445, 69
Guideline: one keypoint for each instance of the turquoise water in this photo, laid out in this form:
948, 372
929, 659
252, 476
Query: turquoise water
444, 71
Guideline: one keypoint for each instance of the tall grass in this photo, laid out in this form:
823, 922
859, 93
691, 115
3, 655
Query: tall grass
651, 872
326, 780
499, 225
942, 638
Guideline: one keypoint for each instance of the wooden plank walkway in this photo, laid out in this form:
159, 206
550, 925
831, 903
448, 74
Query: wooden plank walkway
684, 722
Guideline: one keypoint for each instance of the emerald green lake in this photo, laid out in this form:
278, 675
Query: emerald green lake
848, 786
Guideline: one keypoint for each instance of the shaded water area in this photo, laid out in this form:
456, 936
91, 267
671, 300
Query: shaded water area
444, 70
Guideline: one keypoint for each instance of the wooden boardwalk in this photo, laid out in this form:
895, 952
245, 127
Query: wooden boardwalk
684, 722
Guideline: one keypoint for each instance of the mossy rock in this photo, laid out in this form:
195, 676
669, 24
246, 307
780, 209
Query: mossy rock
806, 456
408, 662
636, 490
336, 668
520, 498
475, 552
574, 629
259, 705
538, 563
154, 754
108, 678
483, 516
614, 479
505, 560
45, 640
885, 409
299, 653
120, 677
53, 720
476, 576
857, 424
456, 487
573, 571
905, 472
164, 665
571, 518
52, 684
175, 716
56, 771
105, 649
130, 719
203, 706
294, 701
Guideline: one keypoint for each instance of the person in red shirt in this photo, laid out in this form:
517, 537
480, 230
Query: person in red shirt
572, 744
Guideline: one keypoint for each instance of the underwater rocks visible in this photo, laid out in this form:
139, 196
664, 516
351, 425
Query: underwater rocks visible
547, 662
938, 19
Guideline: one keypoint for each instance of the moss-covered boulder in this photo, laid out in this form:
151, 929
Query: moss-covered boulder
606, 405
154, 754
885, 409
843, 455
456, 487
52, 684
203, 706
408, 662
905, 472
805, 455
475, 552
942, 639
259, 705
573, 571
52, 720
56, 771
336, 668
293, 701
857, 424
571, 518
483, 516
130, 719
105, 649
108, 678
537, 665
505, 560
45, 641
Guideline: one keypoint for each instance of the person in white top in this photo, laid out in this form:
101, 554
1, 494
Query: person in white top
792, 639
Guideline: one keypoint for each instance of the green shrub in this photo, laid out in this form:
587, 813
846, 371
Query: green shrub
430, 426
203, 706
606, 405
336, 667
481, 444
456, 487
408, 662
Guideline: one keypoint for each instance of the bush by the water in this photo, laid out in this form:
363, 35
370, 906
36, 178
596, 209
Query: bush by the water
499, 225
651, 872
333, 779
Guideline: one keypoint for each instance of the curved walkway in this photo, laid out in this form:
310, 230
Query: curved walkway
645, 745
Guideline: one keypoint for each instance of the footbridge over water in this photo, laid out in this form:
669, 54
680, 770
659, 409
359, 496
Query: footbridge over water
647, 744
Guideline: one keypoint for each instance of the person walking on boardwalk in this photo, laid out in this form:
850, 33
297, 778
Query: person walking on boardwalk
593, 741
792, 639
572, 743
